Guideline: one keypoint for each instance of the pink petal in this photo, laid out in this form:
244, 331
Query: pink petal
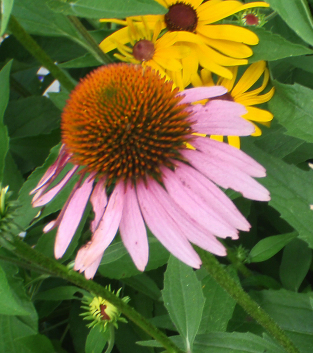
72, 216
163, 224
203, 188
92, 269
49, 195
196, 207
105, 232
133, 230
231, 155
54, 170
226, 175
99, 201
220, 117
198, 93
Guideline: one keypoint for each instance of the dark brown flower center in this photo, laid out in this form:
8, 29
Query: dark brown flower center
105, 316
124, 122
251, 19
143, 50
181, 17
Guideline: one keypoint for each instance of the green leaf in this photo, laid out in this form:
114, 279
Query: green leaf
96, 341
60, 293
11, 307
291, 191
296, 14
293, 313
31, 116
6, 8
183, 299
295, 264
108, 8
280, 47
4, 95
12, 175
117, 263
292, 106
218, 307
86, 60
144, 284
225, 342
268, 247
35, 344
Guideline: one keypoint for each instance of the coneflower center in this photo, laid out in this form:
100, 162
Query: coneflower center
124, 122
143, 50
251, 19
181, 17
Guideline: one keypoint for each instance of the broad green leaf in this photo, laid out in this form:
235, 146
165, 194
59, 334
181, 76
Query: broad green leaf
86, 60
291, 191
11, 307
117, 263
280, 47
225, 342
293, 313
296, 14
35, 344
31, 116
292, 106
60, 293
59, 99
295, 264
96, 341
4, 95
11, 175
108, 8
219, 306
6, 8
268, 247
183, 299
144, 284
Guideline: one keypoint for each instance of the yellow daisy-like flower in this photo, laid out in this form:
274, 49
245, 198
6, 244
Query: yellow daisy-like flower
241, 93
146, 48
213, 46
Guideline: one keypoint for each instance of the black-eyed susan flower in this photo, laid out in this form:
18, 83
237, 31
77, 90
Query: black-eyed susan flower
147, 48
125, 131
214, 46
242, 93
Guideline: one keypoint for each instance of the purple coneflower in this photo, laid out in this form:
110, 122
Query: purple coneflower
128, 133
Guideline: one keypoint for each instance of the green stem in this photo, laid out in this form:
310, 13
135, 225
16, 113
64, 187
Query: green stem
58, 270
30, 45
231, 256
214, 268
92, 45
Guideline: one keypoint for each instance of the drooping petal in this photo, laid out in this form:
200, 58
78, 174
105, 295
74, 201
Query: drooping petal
49, 195
198, 93
99, 202
196, 207
72, 216
257, 99
164, 226
220, 117
229, 155
92, 269
133, 230
209, 193
259, 115
105, 232
227, 176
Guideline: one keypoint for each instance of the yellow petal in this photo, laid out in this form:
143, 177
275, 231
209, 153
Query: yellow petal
208, 64
258, 131
229, 84
212, 12
234, 141
217, 138
261, 88
252, 100
206, 77
220, 58
229, 32
190, 66
167, 63
257, 114
249, 78
196, 81
228, 47
120, 36
195, 3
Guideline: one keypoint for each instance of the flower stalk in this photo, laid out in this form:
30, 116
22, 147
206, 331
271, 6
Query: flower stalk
251, 307
58, 270
30, 45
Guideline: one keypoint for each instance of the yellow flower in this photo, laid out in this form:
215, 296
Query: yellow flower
144, 47
240, 93
213, 46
